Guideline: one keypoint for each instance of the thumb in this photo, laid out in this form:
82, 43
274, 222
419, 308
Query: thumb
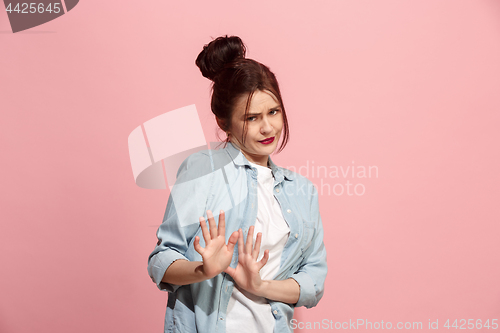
264, 259
229, 270
231, 242
200, 249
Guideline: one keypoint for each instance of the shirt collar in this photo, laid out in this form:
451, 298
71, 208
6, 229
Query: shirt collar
240, 159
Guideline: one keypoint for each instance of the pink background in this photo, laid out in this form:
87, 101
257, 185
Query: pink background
411, 87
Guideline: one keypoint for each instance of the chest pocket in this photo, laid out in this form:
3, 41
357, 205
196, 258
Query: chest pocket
308, 234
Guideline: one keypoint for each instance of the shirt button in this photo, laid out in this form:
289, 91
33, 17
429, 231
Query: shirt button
288, 211
275, 312
278, 190
221, 318
296, 235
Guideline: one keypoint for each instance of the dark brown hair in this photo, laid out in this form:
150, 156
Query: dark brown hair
223, 61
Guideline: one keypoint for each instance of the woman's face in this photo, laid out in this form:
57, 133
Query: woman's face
264, 122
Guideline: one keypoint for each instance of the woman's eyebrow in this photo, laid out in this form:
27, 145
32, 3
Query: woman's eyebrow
270, 109
253, 114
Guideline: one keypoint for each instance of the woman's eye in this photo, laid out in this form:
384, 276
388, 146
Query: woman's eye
273, 111
250, 118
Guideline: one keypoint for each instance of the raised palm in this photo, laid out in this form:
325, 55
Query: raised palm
246, 274
216, 254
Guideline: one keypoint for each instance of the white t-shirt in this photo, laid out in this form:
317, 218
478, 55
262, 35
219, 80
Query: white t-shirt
247, 312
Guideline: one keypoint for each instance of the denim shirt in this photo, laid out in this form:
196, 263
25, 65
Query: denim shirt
224, 179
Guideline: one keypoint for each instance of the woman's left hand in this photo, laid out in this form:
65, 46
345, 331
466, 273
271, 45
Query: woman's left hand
246, 274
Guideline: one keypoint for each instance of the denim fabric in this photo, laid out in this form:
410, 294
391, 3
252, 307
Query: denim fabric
224, 179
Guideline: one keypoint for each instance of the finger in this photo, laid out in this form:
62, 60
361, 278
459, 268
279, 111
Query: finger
240, 243
204, 230
232, 241
212, 225
249, 243
264, 259
222, 224
256, 249
197, 246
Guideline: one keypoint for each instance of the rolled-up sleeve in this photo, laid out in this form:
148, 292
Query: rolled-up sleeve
158, 265
311, 274
186, 203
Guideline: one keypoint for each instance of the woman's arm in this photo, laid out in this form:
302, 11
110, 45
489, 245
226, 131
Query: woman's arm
286, 291
182, 272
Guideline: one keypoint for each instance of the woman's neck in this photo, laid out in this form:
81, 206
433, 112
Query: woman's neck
262, 160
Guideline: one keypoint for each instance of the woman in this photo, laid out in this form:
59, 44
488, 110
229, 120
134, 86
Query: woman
218, 281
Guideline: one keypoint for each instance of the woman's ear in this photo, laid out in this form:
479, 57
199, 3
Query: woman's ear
221, 123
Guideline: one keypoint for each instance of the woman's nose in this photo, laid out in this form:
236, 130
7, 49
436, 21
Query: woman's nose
266, 126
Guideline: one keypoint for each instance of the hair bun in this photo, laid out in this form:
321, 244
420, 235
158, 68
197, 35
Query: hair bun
218, 53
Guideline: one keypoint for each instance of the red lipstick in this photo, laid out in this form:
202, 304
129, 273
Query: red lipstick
267, 141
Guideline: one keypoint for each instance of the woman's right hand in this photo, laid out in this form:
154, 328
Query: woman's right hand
216, 254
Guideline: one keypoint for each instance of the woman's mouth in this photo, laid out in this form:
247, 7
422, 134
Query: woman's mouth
267, 141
